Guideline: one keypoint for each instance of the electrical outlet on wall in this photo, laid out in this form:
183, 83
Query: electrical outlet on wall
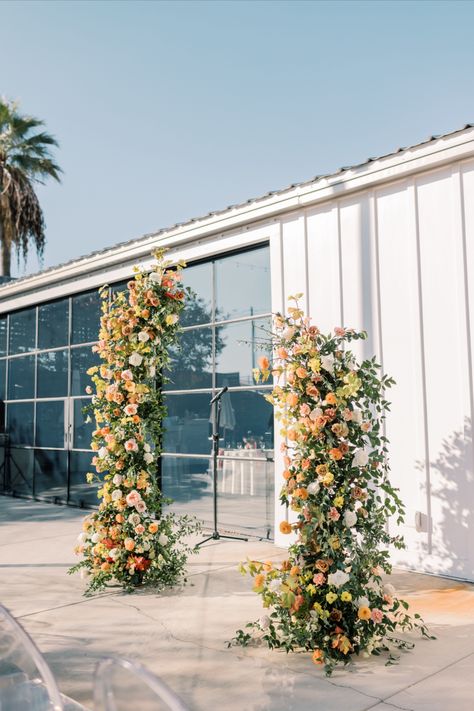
422, 522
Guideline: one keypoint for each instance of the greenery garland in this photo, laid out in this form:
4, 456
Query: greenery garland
129, 539
328, 596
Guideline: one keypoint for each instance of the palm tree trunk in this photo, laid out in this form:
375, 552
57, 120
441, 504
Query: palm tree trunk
5, 245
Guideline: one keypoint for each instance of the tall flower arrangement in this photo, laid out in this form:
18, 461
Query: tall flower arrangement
328, 597
129, 539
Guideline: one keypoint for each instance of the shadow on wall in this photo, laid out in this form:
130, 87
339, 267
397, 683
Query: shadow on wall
452, 504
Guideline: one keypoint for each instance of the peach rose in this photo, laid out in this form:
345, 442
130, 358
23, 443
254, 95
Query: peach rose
131, 409
377, 615
129, 544
131, 445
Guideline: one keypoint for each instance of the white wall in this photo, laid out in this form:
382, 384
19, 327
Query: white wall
398, 261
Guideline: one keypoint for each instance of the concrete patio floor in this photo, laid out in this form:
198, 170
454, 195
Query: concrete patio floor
181, 635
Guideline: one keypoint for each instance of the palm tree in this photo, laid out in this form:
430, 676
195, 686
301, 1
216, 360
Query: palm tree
25, 159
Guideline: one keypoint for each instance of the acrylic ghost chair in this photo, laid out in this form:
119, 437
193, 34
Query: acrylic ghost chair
121, 684
26, 681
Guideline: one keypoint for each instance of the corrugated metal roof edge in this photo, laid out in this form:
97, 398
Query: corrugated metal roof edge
215, 213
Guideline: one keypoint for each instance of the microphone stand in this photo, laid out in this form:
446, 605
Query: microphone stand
216, 401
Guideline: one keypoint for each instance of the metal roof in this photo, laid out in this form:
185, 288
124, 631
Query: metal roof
236, 206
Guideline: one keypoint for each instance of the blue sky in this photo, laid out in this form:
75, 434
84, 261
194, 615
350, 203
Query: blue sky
167, 110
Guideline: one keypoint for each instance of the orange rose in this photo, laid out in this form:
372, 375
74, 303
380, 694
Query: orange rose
301, 493
129, 544
263, 363
292, 435
335, 454
317, 657
282, 353
153, 527
331, 399
286, 474
301, 372
295, 570
259, 580
285, 527
292, 399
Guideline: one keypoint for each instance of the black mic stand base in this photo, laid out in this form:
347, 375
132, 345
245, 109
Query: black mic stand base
216, 536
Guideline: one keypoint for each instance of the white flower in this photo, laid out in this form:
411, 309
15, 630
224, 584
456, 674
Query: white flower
155, 277
148, 457
82, 537
362, 602
114, 553
350, 518
357, 416
103, 452
163, 539
288, 333
117, 480
314, 414
143, 337
314, 487
274, 585
264, 622
338, 578
152, 371
134, 519
361, 458
135, 359
327, 362
171, 319
147, 447
95, 538
389, 589
116, 494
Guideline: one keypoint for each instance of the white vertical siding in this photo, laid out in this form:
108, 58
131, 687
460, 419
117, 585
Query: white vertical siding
325, 302
398, 262
402, 356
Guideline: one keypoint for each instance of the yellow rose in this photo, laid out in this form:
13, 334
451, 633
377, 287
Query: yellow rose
338, 501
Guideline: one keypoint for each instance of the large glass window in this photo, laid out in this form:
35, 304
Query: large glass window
231, 296
81, 359
3, 336
21, 378
243, 284
50, 423
85, 317
52, 373
53, 324
22, 337
191, 361
50, 474
20, 422
83, 424
3, 376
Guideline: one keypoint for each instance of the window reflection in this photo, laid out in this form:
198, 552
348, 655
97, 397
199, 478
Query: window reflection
243, 284
82, 434
81, 359
240, 346
22, 331
53, 324
3, 375
3, 336
50, 423
188, 482
21, 378
191, 361
187, 425
198, 305
50, 472
80, 492
20, 419
86, 317
52, 373
21, 471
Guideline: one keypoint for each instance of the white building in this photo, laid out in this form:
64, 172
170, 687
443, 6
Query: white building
386, 246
